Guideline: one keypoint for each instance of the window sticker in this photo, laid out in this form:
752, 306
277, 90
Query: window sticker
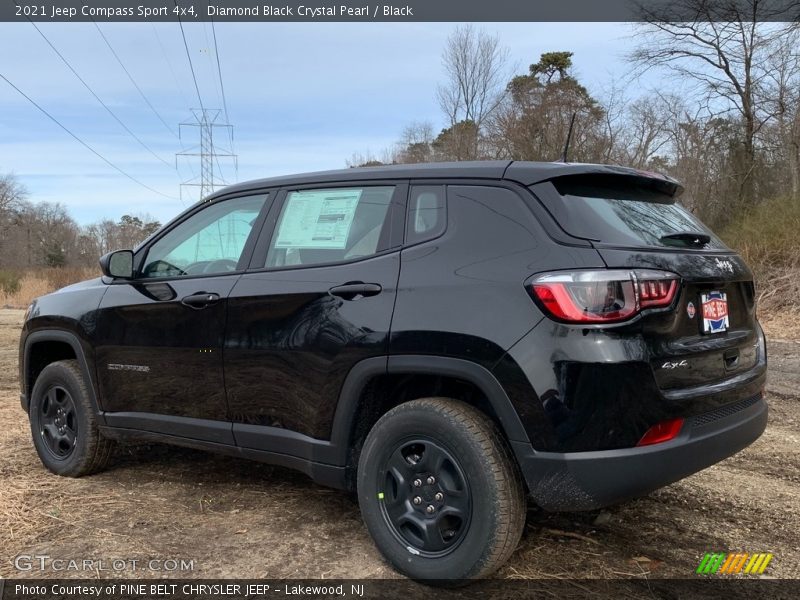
318, 219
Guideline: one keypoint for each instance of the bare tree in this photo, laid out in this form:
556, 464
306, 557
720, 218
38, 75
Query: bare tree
474, 63
645, 132
534, 120
11, 192
415, 144
725, 47
782, 91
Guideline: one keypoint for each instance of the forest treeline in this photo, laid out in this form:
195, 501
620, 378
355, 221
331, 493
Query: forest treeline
43, 234
725, 120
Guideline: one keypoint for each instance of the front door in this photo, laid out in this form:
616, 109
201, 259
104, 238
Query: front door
159, 349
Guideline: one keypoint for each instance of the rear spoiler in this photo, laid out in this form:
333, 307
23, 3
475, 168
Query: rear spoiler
629, 186
588, 174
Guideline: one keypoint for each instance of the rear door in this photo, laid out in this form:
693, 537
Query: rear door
636, 222
318, 299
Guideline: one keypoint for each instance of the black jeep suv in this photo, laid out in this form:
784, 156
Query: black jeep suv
445, 339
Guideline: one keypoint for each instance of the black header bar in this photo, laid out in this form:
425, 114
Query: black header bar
400, 11
744, 588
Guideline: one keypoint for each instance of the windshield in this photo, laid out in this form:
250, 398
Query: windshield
627, 212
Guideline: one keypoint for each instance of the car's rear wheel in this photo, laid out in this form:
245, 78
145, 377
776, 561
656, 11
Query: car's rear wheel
63, 423
439, 491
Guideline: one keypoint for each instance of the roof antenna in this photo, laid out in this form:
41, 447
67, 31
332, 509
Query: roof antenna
569, 137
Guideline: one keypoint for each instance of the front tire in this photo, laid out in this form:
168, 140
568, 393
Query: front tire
439, 491
63, 422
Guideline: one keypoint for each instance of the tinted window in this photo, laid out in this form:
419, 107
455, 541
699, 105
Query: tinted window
427, 213
625, 212
209, 242
330, 225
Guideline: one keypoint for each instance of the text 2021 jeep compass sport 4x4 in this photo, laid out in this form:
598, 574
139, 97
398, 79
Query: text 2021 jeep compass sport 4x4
445, 339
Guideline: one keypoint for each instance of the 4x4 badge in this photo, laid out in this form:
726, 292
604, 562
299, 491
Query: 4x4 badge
690, 310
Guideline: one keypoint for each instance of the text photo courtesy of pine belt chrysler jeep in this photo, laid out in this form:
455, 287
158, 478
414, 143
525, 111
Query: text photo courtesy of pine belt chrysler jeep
448, 341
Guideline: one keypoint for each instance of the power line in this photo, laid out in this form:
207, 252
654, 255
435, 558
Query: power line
219, 170
91, 91
169, 64
212, 69
84, 144
189, 56
221, 85
211, 66
133, 81
219, 70
178, 87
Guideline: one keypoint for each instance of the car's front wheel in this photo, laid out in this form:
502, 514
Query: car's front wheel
439, 491
63, 423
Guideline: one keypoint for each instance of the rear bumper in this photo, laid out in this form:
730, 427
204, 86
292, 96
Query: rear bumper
590, 480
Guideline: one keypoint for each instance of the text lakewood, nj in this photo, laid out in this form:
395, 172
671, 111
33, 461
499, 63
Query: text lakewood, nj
311, 12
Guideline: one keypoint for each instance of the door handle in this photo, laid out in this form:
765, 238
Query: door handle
200, 300
355, 289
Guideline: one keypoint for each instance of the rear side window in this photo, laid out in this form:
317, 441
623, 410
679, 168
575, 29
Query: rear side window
331, 225
427, 213
627, 211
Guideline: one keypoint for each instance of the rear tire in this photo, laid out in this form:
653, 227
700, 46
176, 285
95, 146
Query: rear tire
440, 492
63, 422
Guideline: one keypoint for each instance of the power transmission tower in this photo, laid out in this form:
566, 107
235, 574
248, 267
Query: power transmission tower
207, 119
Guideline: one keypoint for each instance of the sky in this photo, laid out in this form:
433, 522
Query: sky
301, 97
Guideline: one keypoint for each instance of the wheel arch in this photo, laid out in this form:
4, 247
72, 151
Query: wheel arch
44, 347
349, 409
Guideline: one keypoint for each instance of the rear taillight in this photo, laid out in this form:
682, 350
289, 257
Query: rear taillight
603, 296
661, 432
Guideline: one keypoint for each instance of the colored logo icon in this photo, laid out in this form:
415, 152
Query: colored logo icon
742, 563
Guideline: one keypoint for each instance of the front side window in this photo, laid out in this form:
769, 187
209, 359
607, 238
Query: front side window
331, 225
210, 242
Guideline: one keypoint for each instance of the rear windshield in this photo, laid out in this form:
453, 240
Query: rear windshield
626, 211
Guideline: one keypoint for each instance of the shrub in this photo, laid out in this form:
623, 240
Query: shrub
18, 289
768, 238
9, 282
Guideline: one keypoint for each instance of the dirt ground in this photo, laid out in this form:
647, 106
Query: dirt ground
226, 517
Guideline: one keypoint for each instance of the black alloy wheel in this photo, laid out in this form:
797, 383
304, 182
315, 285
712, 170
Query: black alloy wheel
427, 499
57, 422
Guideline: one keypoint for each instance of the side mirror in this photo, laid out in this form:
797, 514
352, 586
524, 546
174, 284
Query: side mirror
118, 264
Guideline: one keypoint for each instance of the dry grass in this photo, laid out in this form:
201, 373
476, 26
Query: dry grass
767, 237
781, 324
39, 282
240, 519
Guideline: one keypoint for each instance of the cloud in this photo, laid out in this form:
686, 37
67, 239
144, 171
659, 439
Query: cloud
302, 97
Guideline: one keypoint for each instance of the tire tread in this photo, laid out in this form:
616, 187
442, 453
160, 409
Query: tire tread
98, 450
495, 458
